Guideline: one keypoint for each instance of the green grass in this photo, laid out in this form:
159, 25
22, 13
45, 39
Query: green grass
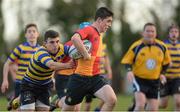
122, 104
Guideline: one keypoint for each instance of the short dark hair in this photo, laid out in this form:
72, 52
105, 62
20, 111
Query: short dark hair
149, 24
30, 25
103, 13
173, 26
50, 34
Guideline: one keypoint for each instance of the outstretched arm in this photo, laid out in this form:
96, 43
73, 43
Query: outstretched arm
5, 83
57, 65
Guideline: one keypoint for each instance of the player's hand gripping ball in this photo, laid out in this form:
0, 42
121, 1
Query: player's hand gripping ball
75, 54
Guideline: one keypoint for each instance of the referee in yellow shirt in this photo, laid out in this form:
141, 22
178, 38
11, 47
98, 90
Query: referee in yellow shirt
146, 61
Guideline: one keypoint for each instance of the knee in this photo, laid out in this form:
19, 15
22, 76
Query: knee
112, 101
163, 105
178, 103
140, 105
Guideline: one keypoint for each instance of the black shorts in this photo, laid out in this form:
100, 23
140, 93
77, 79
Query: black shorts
89, 98
170, 88
148, 87
17, 88
30, 93
79, 86
61, 85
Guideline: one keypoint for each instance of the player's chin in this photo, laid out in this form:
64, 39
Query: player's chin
54, 51
105, 29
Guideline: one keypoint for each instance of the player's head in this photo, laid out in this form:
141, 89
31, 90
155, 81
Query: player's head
103, 18
149, 32
31, 32
84, 24
51, 41
173, 32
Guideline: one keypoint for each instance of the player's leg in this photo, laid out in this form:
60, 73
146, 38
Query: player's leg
140, 101
176, 98
15, 103
41, 106
163, 103
164, 94
98, 108
76, 90
152, 105
88, 100
102, 90
60, 86
54, 102
107, 94
27, 101
15, 99
140, 89
42, 98
175, 87
152, 95
132, 106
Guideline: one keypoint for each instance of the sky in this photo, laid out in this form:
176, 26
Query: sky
32, 11
137, 14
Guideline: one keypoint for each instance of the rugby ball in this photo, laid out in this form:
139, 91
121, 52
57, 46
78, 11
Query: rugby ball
75, 54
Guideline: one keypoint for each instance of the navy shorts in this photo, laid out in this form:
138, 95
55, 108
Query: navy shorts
61, 84
30, 93
170, 88
149, 87
17, 88
79, 86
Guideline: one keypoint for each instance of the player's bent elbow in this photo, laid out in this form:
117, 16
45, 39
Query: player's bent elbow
74, 38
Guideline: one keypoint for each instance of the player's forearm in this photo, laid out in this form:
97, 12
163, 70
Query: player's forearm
79, 45
59, 66
5, 71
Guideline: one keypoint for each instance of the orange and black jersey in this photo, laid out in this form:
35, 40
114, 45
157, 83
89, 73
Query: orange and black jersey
90, 67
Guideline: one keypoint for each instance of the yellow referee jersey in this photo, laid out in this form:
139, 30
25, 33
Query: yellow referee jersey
147, 60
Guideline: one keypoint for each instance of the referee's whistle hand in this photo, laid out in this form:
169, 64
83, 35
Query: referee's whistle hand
163, 79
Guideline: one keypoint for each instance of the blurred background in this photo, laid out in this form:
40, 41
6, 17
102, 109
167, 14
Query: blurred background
65, 16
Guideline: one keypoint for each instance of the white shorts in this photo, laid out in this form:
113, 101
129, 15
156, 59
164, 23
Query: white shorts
32, 106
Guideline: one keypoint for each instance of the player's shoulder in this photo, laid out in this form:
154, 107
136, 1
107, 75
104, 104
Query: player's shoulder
22, 45
87, 29
41, 50
160, 42
136, 43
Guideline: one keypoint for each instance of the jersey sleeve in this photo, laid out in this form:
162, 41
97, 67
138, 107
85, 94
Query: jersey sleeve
15, 54
128, 57
167, 57
43, 57
84, 33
